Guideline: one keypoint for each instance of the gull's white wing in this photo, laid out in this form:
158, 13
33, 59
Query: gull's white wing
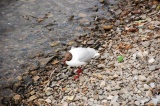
83, 54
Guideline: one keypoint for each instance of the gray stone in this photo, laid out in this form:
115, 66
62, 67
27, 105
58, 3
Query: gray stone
149, 93
158, 66
101, 97
118, 12
91, 103
143, 16
104, 101
86, 24
117, 87
64, 104
78, 98
137, 103
48, 100
142, 78
152, 84
95, 97
105, 55
152, 68
146, 43
146, 87
72, 104
117, 23
100, 92
82, 79
84, 98
102, 84
101, 66
49, 93
90, 42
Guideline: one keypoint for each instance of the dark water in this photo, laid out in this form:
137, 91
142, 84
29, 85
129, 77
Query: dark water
28, 26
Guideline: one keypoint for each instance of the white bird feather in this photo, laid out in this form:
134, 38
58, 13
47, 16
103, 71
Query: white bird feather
80, 56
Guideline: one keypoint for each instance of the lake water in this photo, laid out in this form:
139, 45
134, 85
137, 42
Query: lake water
31, 26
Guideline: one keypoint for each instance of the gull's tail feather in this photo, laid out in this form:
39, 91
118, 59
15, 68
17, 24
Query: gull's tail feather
93, 52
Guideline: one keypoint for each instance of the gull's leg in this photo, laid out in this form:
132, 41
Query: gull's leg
79, 71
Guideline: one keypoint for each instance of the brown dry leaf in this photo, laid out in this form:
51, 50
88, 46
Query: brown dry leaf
71, 97
99, 76
84, 90
49, 15
132, 30
64, 89
136, 12
143, 38
55, 62
124, 13
35, 78
39, 20
54, 43
128, 46
151, 27
45, 82
124, 33
155, 2
150, 104
121, 46
71, 43
92, 79
107, 27
19, 77
124, 46
155, 91
82, 15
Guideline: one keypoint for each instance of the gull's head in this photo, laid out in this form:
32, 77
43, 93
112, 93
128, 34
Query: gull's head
67, 57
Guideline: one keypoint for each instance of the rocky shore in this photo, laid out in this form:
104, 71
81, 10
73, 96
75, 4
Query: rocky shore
126, 74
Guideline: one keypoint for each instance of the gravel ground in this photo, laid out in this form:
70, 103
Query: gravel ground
126, 74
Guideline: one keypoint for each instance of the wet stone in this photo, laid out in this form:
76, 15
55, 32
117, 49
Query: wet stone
86, 24
36, 53
28, 81
34, 65
15, 86
43, 62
